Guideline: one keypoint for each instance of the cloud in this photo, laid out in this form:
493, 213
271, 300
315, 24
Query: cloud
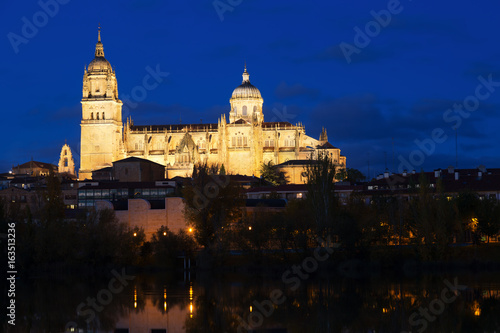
284, 91
484, 69
373, 123
371, 53
448, 29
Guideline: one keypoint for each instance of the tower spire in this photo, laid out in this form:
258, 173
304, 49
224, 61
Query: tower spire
99, 49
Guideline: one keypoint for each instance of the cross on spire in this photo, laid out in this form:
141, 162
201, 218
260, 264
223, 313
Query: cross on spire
99, 49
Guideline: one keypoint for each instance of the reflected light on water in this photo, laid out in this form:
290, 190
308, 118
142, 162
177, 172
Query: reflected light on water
191, 300
384, 304
135, 297
477, 309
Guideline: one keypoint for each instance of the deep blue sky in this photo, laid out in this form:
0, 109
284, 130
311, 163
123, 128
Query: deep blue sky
398, 86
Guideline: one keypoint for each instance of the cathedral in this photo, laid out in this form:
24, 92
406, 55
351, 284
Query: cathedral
241, 142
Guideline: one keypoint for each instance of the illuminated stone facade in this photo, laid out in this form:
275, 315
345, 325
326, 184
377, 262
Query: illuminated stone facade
66, 162
241, 144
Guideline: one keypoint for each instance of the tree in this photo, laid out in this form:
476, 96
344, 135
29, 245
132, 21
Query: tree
53, 204
350, 175
167, 246
431, 220
488, 217
106, 240
52, 239
320, 175
213, 204
467, 206
271, 175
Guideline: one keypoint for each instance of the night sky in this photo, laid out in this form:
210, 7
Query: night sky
412, 77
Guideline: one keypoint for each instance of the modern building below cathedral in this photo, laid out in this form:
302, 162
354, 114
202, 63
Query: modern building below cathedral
241, 142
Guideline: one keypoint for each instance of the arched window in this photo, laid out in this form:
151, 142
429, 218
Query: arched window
103, 116
97, 115
65, 162
65, 152
244, 110
254, 109
91, 115
269, 143
239, 140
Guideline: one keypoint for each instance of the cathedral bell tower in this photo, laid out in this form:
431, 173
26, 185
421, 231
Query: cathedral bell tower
101, 125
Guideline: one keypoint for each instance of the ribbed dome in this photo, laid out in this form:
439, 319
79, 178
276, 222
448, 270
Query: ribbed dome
100, 64
246, 89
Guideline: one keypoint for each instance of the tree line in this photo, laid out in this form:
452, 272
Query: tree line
429, 222
223, 226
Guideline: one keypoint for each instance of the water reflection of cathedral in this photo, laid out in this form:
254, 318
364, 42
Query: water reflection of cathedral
151, 312
241, 143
